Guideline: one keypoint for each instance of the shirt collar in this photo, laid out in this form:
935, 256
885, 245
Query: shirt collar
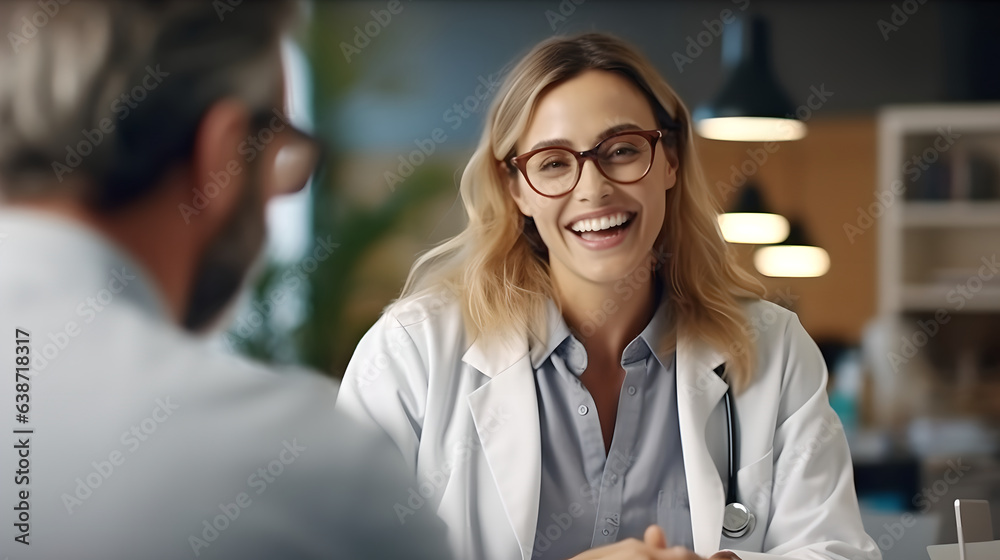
557, 332
654, 332
651, 336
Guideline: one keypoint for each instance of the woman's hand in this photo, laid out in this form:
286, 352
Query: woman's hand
653, 546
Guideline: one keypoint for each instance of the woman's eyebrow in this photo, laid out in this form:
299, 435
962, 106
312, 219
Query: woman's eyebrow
616, 129
562, 142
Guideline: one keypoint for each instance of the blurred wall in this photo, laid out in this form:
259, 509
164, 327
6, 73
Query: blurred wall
822, 180
419, 75
431, 55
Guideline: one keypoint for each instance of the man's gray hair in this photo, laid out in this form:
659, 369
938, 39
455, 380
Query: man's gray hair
108, 94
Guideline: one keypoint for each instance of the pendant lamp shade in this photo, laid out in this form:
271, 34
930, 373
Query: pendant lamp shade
751, 106
751, 221
796, 257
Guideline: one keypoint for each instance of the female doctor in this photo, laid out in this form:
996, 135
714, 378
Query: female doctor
584, 372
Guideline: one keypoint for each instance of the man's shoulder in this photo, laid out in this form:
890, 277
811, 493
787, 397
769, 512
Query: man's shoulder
218, 382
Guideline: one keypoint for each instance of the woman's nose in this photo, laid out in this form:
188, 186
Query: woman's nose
592, 184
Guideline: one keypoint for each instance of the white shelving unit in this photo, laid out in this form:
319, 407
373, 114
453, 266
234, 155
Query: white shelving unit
928, 248
951, 214
936, 359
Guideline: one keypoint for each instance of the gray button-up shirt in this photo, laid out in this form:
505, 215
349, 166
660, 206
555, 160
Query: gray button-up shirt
589, 498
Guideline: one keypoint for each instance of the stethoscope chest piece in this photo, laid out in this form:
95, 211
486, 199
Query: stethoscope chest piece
736, 521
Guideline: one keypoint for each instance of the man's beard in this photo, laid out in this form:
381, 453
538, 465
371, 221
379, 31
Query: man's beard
228, 258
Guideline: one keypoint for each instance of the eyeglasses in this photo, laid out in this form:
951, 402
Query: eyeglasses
623, 158
296, 156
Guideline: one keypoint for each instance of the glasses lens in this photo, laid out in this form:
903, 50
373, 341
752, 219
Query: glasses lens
626, 157
552, 171
294, 163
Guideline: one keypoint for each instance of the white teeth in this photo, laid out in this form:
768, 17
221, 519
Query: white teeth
598, 224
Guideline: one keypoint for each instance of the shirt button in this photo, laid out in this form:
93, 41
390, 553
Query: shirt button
614, 478
631, 389
606, 532
583, 410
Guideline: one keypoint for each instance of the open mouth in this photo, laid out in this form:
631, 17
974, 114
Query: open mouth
605, 227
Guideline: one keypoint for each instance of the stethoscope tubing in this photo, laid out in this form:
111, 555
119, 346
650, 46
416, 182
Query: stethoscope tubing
737, 518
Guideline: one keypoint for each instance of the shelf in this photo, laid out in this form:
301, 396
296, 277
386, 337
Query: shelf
931, 297
926, 119
947, 213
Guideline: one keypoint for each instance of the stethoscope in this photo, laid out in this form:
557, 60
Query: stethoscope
737, 520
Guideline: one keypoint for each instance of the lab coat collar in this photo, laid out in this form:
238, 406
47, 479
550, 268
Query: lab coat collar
494, 354
699, 390
505, 411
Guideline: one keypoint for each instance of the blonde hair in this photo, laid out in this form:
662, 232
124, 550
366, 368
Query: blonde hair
498, 265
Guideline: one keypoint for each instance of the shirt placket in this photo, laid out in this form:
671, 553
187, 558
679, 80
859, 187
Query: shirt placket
621, 454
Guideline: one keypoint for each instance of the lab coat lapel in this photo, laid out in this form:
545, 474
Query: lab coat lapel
699, 390
505, 410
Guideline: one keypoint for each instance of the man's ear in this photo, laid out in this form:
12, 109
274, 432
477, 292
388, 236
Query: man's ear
514, 188
217, 167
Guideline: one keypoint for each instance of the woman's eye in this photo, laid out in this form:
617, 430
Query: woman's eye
622, 150
625, 149
554, 164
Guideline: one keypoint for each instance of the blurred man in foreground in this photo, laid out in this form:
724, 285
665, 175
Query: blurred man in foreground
139, 144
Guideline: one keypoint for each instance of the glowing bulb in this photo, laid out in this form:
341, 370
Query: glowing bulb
751, 129
792, 261
753, 227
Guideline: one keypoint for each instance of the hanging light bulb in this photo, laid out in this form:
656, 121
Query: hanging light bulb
795, 257
752, 106
751, 222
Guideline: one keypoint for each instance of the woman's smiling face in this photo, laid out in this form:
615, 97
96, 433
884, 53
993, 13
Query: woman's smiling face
579, 229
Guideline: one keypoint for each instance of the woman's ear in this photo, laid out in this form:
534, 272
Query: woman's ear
670, 172
514, 187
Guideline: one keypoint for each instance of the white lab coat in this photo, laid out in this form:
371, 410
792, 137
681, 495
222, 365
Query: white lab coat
465, 416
